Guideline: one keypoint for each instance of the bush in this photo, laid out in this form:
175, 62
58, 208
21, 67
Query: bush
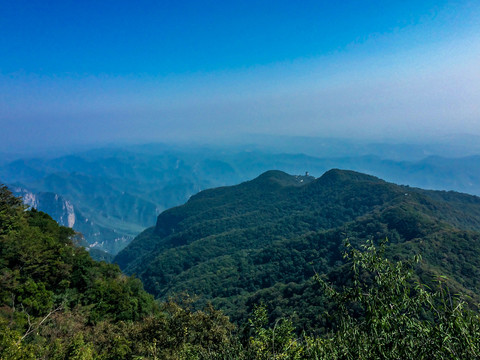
385, 314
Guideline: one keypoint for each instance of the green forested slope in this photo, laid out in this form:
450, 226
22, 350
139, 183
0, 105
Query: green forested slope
265, 238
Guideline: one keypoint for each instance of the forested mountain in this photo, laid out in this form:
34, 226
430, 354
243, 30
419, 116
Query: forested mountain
264, 239
57, 303
116, 193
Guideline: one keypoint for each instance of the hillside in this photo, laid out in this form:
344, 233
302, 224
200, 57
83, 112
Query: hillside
265, 238
50, 288
58, 303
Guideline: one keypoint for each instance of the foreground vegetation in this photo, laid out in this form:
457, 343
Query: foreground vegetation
57, 303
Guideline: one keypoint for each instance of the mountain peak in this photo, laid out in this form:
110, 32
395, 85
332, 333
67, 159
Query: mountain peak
283, 179
339, 176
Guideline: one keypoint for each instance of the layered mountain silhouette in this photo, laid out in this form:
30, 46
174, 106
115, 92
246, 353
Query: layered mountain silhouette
118, 192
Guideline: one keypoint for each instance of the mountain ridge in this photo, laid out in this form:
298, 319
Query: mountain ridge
231, 244
122, 190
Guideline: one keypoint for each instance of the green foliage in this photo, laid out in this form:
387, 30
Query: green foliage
277, 342
10, 209
11, 346
182, 332
385, 315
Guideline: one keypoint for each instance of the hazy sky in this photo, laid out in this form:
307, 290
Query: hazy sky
84, 72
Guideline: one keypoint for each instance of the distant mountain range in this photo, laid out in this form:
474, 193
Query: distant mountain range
116, 193
264, 239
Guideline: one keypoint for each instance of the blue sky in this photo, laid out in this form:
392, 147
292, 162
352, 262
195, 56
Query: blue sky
91, 72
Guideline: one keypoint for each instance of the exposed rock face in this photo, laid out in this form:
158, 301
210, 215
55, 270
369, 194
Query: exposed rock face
55, 205
71, 213
29, 198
